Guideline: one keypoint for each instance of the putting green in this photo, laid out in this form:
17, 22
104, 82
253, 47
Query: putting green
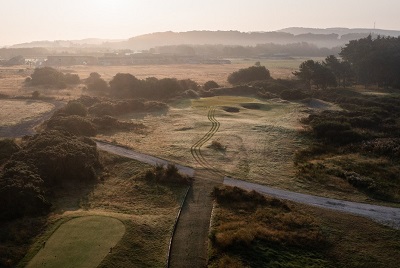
80, 242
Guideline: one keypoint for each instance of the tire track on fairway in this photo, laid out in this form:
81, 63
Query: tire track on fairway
195, 150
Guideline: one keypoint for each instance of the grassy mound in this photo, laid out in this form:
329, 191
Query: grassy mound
80, 242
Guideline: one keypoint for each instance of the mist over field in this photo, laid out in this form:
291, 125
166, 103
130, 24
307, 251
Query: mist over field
200, 133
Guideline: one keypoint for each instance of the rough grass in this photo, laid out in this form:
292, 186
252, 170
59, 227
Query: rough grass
250, 230
352, 176
15, 111
249, 233
80, 242
260, 143
146, 209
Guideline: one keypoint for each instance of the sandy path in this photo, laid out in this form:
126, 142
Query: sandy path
385, 215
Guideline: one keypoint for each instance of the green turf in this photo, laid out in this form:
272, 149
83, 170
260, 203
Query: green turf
80, 242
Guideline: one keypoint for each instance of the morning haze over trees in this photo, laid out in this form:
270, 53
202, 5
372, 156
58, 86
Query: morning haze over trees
246, 126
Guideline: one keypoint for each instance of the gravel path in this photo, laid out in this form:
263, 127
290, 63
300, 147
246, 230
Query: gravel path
144, 158
385, 215
190, 241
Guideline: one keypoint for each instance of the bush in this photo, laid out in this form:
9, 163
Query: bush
170, 174
60, 157
102, 108
336, 132
293, 94
95, 83
188, 84
73, 124
35, 94
21, 191
210, 85
252, 73
71, 79
75, 108
48, 76
216, 145
389, 147
7, 148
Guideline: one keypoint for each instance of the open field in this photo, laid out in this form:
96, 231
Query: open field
259, 143
12, 78
80, 242
16, 111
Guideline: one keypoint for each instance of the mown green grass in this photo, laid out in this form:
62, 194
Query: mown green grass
145, 209
80, 242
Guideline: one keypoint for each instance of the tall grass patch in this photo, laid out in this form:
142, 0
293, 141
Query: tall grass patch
252, 230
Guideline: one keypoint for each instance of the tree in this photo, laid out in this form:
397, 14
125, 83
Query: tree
48, 76
374, 61
315, 73
210, 85
95, 83
306, 72
124, 84
323, 77
253, 73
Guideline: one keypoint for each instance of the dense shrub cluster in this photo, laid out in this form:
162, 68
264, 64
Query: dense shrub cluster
210, 85
50, 77
96, 84
389, 147
250, 74
110, 107
368, 126
45, 160
73, 124
169, 174
363, 117
7, 148
124, 85
60, 157
21, 191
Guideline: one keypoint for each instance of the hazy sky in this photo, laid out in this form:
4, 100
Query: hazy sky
30, 20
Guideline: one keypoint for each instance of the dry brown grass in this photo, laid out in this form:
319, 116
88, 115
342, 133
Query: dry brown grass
251, 234
259, 144
16, 111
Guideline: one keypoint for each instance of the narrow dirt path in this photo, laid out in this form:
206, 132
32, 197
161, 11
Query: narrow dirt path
190, 242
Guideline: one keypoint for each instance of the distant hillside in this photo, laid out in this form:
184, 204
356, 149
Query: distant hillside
88, 42
329, 38
340, 31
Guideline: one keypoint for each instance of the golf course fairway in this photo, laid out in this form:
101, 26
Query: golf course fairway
80, 242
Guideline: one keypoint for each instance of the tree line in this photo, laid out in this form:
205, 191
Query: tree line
366, 61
